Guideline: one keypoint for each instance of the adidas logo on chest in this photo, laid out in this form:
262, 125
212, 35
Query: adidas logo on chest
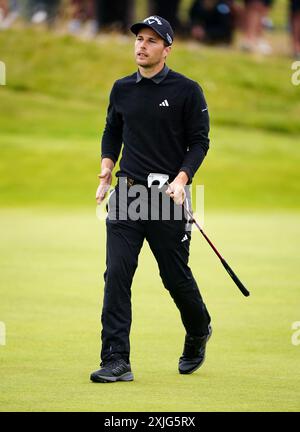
164, 103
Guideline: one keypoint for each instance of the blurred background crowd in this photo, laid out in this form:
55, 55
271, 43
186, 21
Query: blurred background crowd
209, 21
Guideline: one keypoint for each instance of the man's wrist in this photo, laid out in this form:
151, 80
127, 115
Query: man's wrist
107, 163
182, 177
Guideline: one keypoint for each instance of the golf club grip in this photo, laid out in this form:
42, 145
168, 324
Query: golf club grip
234, 277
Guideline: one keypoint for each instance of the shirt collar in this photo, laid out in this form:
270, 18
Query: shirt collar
158, 78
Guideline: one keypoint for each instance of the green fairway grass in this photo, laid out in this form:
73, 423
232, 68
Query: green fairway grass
52, 246
52, 268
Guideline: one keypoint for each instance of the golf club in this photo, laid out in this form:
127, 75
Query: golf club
163, 179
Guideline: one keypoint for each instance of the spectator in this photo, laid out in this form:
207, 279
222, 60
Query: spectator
83, 12
9, 12
167, 9
295, 27
40, 11
115, 14
3, 9
255, 12
212, 21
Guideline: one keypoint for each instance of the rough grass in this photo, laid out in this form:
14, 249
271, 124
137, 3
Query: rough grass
54, 106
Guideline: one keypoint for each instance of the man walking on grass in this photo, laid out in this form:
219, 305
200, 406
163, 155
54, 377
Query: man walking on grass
161, 118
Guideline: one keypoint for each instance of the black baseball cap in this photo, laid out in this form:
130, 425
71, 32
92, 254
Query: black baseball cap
160, 25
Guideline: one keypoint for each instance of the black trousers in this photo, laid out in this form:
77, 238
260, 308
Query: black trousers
169, 242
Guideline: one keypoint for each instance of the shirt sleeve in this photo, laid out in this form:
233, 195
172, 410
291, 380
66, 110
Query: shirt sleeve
196, 121
113, 132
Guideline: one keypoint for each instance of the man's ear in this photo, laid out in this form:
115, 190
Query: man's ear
167, 51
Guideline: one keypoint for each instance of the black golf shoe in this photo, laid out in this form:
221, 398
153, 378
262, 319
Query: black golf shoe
115, 370
193, 354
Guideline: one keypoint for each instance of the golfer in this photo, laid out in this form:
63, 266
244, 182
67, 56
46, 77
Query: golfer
161, 118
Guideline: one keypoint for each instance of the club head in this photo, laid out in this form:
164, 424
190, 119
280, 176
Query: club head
157, 177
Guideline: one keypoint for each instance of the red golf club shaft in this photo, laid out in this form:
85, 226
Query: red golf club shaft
229, 270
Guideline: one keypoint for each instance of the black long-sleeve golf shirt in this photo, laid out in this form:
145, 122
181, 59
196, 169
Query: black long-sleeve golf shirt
163, 123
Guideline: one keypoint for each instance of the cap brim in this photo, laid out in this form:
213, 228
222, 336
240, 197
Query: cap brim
135, 28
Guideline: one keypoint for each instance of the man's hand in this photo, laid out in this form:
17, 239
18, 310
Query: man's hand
105, 182
176, 188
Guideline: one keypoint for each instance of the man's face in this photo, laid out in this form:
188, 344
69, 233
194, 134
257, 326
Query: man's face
149, 48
